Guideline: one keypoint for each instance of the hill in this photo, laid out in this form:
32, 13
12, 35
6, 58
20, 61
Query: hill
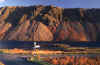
49, 23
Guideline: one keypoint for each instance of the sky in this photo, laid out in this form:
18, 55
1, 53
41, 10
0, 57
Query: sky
60, 3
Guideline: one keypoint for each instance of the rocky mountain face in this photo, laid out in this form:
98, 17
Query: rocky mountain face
49, 23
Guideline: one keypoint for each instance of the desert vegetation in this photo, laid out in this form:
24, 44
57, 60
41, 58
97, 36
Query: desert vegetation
74, 60
21, 51
54, 50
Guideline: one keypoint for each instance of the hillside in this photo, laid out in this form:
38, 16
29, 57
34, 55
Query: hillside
49, 23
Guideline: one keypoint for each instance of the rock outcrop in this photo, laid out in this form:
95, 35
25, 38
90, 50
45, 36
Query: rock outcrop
49, 23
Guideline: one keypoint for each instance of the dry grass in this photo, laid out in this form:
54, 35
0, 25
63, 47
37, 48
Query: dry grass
21, 51
72, 60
